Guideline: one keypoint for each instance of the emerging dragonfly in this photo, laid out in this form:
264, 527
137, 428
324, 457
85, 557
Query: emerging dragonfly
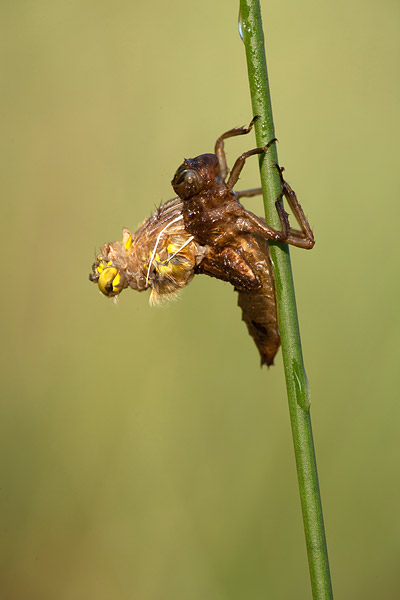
206, 230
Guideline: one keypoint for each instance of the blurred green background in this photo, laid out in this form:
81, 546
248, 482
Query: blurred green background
144, 453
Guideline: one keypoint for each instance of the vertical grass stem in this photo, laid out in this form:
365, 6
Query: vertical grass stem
296, 380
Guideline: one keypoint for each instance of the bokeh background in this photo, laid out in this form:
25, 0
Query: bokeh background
144, 453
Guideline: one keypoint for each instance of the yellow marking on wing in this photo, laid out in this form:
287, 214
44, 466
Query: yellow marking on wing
172, 267
163, 269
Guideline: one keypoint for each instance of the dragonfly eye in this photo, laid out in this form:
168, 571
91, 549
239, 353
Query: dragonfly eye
187, 182
110, 282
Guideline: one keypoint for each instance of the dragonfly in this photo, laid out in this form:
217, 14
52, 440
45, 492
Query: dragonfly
206, 230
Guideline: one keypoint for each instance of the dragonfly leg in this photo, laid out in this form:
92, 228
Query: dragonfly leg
236, 221
220, 148
239, 164
303, 238
283, 216
248, 193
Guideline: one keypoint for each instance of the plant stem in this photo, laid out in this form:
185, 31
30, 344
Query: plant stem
296, 380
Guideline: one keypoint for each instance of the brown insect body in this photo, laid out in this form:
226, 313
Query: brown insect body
206, 230
243, 260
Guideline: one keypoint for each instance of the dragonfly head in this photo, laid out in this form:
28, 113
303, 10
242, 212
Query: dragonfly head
108, 270
107, 277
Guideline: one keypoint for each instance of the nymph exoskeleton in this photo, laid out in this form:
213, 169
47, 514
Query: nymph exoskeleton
206, 230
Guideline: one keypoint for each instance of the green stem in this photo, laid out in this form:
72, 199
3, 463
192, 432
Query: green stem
296, 380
